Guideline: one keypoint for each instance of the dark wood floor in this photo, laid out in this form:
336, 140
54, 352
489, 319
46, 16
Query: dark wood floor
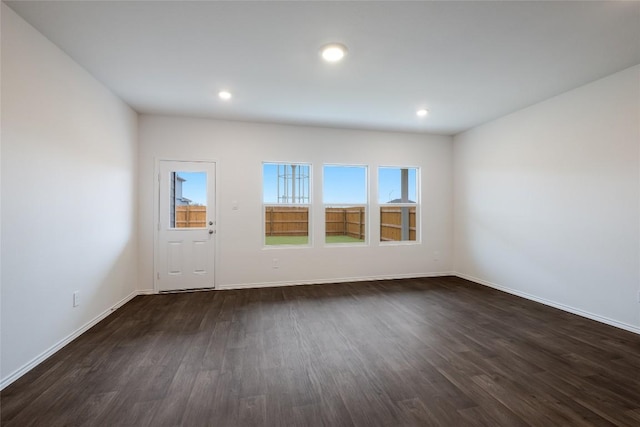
439, 351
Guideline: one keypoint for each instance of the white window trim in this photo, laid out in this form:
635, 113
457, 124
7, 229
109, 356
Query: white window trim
366, 205
309, 207
417, 205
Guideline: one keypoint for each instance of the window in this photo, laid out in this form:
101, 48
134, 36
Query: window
188, 200
398, 199
286, 201
345, 203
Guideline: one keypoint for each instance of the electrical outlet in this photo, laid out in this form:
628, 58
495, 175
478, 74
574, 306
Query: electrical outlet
76, 298
436, 255
275, 263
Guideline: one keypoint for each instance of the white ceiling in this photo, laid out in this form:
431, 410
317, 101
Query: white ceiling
467, 62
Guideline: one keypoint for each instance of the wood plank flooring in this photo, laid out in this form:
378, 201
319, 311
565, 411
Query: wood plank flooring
415, 352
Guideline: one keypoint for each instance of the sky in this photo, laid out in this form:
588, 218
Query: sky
341, 184
389, 184
344, 184
270, 180
194, 187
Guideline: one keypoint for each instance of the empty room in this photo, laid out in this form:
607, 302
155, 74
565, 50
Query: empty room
320, 213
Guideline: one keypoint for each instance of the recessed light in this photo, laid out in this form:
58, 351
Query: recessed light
333, 52
422, 112
223, 94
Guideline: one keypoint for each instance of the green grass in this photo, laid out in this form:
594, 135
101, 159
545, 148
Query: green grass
343, 239
286, 240
304, 240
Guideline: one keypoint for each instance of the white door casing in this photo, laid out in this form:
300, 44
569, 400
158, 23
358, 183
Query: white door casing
185, 251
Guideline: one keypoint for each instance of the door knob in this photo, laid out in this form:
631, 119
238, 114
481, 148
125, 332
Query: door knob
210, 231
210, 222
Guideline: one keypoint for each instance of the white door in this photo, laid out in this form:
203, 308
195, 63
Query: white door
186, 225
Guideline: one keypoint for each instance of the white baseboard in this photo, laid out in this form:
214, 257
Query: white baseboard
573, 310
333, 280
66, 340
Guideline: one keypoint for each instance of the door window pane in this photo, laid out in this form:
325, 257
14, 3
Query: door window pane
188, 200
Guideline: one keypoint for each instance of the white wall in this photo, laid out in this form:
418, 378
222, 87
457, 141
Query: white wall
240, 148
547, 201
68, 197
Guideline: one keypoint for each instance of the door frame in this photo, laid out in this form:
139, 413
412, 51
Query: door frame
156, 216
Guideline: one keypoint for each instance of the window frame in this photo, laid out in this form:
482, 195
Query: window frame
307, 205
417, 205
366, 206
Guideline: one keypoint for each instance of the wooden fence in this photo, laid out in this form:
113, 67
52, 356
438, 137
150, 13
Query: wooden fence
294, 221
286, 221
345, 222
191, 216
391, 220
